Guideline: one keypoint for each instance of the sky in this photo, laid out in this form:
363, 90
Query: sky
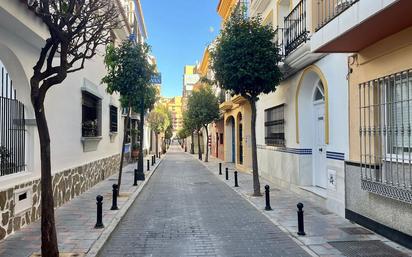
178, 32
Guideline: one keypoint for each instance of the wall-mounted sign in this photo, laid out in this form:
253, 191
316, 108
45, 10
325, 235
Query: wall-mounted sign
157, 79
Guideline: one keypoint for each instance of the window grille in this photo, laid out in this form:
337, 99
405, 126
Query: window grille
91, 115
113, 118
385, 106
12, 128
275, 126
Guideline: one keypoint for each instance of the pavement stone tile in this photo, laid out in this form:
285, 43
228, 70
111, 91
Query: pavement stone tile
75, 221
321, 225
186, 211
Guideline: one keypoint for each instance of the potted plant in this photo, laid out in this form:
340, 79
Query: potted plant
135, 150
89, 128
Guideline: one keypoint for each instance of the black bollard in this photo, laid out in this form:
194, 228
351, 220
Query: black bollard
99, 203
236, 183
227, 173
148, 165
301, 229
135, 176
154, 158
220, 168
114, 199
267, 194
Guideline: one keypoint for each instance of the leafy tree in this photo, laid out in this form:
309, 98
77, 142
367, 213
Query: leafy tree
129, 74
77, 29
245, 61
203, 108
158, 121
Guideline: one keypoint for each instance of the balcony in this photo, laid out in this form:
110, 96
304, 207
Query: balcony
351, 25
327, 10
295, 32
238, 99
227, 105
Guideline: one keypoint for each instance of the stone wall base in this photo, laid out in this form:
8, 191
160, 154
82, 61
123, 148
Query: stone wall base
66, 185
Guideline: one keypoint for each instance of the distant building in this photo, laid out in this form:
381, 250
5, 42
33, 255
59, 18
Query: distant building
190, 78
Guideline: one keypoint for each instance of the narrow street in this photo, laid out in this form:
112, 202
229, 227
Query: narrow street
186, 211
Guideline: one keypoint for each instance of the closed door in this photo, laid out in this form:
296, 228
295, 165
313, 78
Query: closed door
319, 151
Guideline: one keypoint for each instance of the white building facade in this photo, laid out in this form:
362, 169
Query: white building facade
84, 121
302, 127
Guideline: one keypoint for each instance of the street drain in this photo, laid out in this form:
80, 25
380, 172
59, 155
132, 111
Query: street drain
356, 231
370, 248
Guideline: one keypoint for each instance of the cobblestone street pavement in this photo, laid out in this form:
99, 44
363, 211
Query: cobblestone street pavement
186, 211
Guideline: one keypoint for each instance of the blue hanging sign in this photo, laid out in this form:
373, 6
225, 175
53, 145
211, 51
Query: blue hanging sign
156, 79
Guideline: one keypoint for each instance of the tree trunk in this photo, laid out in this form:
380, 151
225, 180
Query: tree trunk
157, 144
198, 145
192, 144
49, 246
126, 125
207, 145
141, 133
256, 183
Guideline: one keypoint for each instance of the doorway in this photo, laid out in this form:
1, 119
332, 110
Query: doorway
319, 147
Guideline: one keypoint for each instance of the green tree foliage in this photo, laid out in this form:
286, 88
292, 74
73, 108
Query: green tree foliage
129, 73
245, 62
203, 108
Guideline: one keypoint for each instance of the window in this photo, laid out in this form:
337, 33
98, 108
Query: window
221, 138
91, 115
275, 126
319, 92
113, 118
385, 108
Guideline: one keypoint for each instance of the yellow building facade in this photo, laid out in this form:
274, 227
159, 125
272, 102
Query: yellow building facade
236, 113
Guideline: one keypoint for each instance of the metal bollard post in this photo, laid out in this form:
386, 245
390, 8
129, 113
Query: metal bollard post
99, 203
148, 165
114, 199
227, 173
267, 195
301, 229
236, 183
154, 158
220, 168
135, 176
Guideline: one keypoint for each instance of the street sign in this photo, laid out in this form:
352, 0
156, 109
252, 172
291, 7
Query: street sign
156, 79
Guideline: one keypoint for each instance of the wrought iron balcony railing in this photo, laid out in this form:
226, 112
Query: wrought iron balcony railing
295, 27
329, 9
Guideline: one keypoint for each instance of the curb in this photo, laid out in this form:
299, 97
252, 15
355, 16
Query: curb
99, 243
283, 229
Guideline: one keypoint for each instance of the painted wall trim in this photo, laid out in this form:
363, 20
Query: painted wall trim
317, 70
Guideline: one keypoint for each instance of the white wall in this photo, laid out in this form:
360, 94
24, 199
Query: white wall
19, 51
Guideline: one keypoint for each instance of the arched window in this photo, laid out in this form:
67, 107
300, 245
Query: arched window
319, 94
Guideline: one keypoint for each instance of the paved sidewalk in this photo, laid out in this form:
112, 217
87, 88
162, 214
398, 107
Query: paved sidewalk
323, 228
186, 211
75, 220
